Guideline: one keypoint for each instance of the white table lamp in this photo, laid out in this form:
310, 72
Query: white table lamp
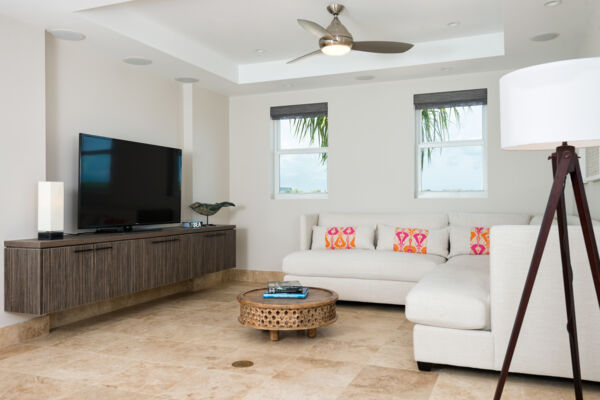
51, 208
554, 106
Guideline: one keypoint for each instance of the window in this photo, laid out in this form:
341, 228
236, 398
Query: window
451, 151
300, 151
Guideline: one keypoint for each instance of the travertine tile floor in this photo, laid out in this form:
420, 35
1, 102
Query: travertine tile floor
182, 347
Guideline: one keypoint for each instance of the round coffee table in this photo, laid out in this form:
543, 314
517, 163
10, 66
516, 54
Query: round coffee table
274, 315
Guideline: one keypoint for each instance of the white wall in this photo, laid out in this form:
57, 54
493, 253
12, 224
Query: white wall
371, 162
211, 151
22, 133
89, 93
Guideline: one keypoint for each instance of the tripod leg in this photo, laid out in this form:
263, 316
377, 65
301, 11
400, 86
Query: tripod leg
563, 168
586, 226
563, 233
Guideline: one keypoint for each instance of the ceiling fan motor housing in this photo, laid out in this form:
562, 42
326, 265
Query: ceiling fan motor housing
339, 32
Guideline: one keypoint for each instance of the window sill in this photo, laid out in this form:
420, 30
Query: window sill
301, 196
453, 195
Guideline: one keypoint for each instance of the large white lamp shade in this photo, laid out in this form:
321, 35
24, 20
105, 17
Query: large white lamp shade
51, 210
545, 105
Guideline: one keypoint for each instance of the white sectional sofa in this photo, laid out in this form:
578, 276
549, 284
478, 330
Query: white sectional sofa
463, 307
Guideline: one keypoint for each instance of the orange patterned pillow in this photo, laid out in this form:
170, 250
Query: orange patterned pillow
340, 238
411, 240
480, 241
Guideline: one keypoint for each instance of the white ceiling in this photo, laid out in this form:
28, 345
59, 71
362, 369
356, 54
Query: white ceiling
236, 29
215, 41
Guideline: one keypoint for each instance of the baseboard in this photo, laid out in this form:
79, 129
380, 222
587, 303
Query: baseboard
252, 275
30, 329
23, 331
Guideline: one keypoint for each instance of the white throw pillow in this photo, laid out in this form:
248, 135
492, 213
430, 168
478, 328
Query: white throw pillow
343, 237
469, 241
435, 240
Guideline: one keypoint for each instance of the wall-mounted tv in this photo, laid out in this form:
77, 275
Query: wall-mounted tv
123, 183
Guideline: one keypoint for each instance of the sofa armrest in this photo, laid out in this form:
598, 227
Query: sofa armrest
307, 221
543, 346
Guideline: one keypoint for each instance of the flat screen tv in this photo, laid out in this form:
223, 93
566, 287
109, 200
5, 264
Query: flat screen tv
123, 183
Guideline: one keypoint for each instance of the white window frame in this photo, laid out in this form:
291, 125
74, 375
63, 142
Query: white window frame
446, 194
277, 151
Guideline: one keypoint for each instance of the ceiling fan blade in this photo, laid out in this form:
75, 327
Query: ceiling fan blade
382, 47
314, 53
314, 28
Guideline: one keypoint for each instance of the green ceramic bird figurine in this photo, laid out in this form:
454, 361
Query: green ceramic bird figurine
207, 209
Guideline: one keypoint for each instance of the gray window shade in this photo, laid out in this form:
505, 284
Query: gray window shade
299, 111
451, 99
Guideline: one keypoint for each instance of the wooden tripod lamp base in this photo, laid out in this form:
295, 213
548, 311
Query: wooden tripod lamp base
540, 108
565, 162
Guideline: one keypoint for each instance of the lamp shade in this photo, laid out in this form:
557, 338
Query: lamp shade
545, 105
51, 207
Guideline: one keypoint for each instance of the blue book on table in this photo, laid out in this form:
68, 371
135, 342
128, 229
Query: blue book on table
302, 295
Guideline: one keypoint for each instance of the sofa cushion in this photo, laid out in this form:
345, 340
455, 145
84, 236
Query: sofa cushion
361, 264
571, 220
487, 219
427, 221
454, 295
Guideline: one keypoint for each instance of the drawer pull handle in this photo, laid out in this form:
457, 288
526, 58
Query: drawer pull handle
82, 250
104, 248
215, 234
165, 241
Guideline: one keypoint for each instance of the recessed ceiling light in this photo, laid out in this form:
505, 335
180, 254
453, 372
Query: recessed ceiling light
65, 34
186, 79
446, 69
544, 37
365, 77
553, 3
137, 61
453, 24
259, 51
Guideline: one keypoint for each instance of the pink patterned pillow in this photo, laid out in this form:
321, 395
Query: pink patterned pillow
338, 238
480, 241
411, 240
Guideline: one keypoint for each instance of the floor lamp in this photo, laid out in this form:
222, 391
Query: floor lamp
554, 106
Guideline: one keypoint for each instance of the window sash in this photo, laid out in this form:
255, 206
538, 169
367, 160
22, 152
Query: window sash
277, 151
423, 194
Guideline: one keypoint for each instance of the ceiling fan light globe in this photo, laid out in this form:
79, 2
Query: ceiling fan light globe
336, 49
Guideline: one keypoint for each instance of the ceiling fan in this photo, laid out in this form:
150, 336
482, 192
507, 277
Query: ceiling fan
337, 41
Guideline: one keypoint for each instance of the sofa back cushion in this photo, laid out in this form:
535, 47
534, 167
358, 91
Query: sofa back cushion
426, 221
413, 240
571, 220
487, 219
343, 237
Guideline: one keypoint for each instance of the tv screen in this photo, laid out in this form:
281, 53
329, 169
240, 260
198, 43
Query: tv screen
124, 183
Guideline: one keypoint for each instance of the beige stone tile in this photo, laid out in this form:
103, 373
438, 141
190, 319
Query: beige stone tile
15, 350
318, 372
214, 384
36, 362
103, 393
16, 386
273, 389
94, 341
464, 384
393, 356
335, 350
390, 383
149, 378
